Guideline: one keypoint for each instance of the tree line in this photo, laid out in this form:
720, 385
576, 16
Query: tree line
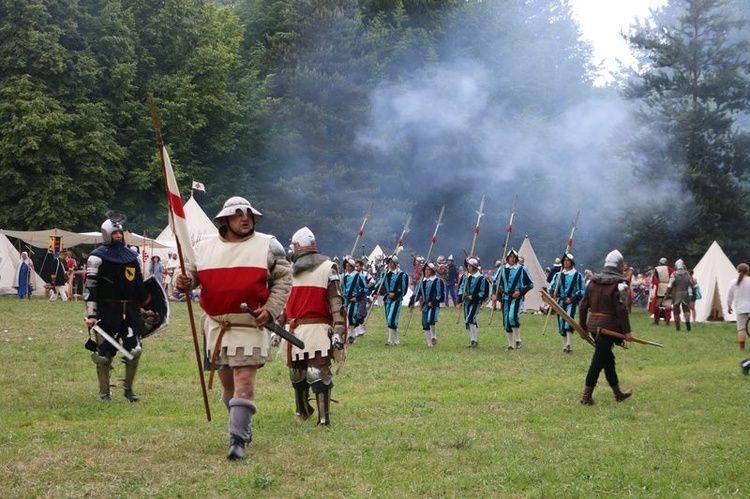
316, 109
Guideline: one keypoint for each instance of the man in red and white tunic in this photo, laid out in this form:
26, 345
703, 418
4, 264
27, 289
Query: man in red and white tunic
240, 266
314, 313
658, 292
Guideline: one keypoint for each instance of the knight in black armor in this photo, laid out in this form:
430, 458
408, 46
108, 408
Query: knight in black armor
114, 295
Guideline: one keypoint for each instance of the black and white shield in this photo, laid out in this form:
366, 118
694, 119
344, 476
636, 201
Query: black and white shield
155, 314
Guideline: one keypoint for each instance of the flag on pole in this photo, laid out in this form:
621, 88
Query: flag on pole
198, 186
177, 220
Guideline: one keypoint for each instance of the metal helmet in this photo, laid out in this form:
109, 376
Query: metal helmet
440, 259
304, 241
570, 257
113, 224
679, 264
232, 205
450, 258
473, 261
614, 259
348, 259
420, 259
662, 261
511, 252
392, 258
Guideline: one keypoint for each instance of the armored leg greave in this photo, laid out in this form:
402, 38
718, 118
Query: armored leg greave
103, 371
301, 399
323, 400
131, 367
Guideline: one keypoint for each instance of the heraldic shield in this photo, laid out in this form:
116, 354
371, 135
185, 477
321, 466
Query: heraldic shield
155, 314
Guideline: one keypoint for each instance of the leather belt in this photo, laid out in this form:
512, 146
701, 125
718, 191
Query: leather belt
215, 353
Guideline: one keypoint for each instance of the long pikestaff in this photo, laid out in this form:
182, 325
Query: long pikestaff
399, 244
361, 230
568, 247
480, 214
505, 250
162, 154
418, 284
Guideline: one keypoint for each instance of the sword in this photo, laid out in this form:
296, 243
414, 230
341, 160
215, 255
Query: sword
101, 332
275, 328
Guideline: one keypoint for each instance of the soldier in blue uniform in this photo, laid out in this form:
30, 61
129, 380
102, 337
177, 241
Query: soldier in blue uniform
432, 294
473, 290
393, 285
354, 287
514, 283
568, 287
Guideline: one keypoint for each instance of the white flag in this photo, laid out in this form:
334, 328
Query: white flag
176, 212
198, 186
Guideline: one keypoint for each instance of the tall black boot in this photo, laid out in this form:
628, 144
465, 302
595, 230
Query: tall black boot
131, 367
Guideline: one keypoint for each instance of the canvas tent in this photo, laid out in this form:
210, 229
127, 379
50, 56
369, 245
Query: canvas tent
199, 225
533, 300
40, 238
714, 273
10, 261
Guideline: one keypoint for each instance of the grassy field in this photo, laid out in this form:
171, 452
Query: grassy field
409, 422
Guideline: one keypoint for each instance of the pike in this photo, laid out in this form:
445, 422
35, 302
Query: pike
418, 284
163, 156
275, 328
615, 334
361, 230
383, 272
480, 214
101, 332
568, 247
505, 249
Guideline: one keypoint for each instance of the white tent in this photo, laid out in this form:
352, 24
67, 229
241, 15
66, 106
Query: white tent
533, 300
375, 252
199, 225
10, 262
714, 273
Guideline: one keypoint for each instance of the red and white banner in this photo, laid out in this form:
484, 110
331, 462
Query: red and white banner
199, 186
177, 220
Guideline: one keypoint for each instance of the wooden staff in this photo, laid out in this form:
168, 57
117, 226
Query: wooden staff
160, 142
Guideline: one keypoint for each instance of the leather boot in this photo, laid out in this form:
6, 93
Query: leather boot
687, 324
240, 418
586, 397
301, 399
619, 394
324, 404
677, 321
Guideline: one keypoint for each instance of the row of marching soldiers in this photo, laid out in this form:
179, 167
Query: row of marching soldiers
509, 286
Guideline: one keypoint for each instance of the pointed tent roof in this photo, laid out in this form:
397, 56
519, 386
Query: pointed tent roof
533, 300
714, 274
10, 262
199, 225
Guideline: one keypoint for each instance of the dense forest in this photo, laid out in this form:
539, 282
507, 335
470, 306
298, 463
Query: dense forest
317, 110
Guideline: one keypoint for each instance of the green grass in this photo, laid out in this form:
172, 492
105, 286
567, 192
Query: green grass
409, 422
